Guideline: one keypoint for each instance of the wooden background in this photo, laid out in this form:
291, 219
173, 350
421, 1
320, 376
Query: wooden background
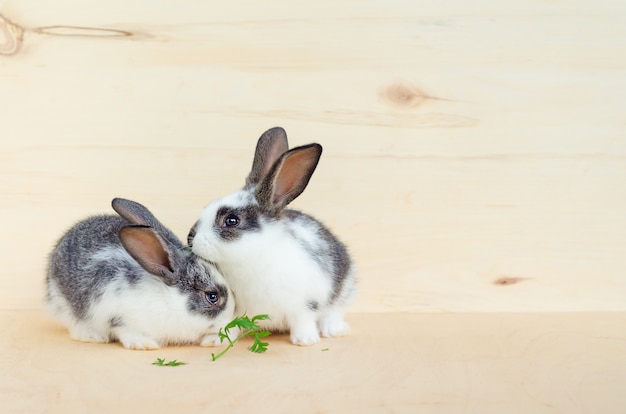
462, 148
474, 152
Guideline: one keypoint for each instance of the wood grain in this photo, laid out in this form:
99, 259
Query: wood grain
474, 162
462, 145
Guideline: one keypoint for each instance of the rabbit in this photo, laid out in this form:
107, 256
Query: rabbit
278, 261
130, 279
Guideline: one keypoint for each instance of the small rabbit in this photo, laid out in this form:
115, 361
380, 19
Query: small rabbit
130, 279
277, 261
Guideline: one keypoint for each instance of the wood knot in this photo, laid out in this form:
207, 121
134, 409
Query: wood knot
508, 280
404, 96
11, 36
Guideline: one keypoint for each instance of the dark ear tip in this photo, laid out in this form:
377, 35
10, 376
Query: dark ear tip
118, 203
315, 147
275, 133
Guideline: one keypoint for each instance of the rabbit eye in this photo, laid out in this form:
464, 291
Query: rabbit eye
231, 220
212, 297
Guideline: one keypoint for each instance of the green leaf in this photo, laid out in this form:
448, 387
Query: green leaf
258, 346
159, 361
262, 334
173, 363
223, 336
260, 318
247, 327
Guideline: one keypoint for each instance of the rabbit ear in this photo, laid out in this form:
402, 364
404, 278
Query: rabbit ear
134, 212
150, 251
288, 177
138, 215
270, 147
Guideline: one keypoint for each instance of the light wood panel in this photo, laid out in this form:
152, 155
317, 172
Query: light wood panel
397, 363
464, 145
474, 161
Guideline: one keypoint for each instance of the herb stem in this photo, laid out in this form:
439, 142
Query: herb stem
248, 327
214, 357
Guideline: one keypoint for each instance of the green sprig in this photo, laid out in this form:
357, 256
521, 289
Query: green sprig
173, 363
248, 327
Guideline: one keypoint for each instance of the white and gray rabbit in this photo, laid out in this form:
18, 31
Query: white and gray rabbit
130, 279
278, 261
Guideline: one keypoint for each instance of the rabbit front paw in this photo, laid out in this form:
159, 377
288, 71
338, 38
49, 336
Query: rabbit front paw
303, 336
333, 326
136, 341
210, 340
84, 334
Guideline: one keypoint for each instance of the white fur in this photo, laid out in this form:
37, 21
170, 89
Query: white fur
153, 314
270, 272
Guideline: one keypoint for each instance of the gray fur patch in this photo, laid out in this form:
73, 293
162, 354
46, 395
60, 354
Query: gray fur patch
247, 217
196, 282
192, 234
86, 259
313, 305
330, 254
116, 321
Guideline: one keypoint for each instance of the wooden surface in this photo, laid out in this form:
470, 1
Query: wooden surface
393, 363
474, 162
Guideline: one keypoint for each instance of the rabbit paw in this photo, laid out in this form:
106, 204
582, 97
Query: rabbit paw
305, 336
333, 325
213, 339
84, 334
136, 341
210, 340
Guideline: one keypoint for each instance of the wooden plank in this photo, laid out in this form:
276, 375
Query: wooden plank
465, 145
442, 363
474, 162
